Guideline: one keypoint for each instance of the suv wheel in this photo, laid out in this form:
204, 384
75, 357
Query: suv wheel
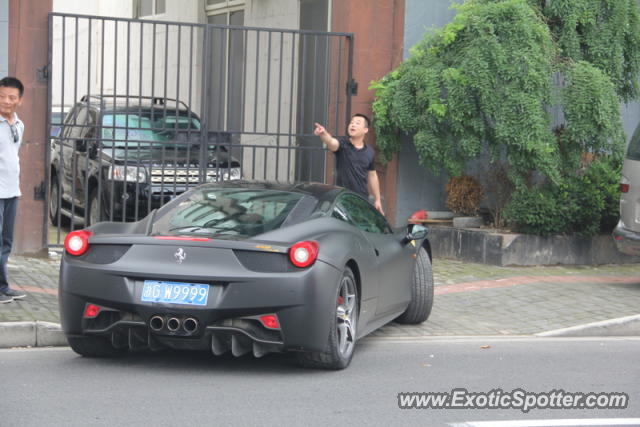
96, 212
55, 199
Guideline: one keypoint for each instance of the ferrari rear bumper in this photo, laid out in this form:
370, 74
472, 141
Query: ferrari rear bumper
303, 301
235, 336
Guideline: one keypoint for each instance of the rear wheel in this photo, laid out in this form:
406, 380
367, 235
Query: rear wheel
342, 333
90, 346
419, 308
54, 204
95, 212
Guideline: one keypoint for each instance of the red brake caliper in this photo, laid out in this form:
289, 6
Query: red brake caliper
340, 300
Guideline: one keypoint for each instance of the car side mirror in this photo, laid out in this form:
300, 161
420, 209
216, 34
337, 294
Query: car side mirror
80, 145
93, 150
415, 232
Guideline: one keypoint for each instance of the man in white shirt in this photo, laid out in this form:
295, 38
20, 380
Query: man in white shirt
11, 131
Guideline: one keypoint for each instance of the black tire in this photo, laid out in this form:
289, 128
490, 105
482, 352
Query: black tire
89, 346
95, 213
419, 308
54, 204
342, 333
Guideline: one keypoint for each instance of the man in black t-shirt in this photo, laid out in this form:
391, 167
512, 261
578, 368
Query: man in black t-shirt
354, 159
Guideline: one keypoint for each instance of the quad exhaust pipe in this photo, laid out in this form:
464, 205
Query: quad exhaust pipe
173, 324
156, 323
190, 325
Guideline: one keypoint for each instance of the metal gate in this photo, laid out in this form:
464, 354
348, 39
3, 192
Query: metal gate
142, 110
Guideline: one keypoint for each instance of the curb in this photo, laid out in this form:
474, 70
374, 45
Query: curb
47, 334
31, 334
620, 327
491, 247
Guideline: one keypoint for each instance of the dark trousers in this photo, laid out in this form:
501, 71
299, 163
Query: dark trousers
8, 208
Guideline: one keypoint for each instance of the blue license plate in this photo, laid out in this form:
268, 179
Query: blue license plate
175, 292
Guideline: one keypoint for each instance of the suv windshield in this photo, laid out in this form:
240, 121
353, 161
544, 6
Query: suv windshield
123, 129
227, 212
633, 152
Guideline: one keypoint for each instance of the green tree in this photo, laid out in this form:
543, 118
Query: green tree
604, 33
494, 77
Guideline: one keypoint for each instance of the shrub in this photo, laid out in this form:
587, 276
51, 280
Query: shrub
498, 191
598, 198
536, 211
585, 204
464, 195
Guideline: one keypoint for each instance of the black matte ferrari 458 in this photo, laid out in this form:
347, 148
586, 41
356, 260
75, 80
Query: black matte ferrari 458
245, 267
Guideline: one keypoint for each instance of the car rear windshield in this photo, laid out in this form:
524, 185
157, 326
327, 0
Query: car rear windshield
633, 152
234, 213
139, 129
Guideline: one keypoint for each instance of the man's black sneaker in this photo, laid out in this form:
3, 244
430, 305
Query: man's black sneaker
5, 299
14, 294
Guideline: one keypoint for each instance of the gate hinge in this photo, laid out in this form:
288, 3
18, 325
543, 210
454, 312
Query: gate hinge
42, 73
39, 192
352, 87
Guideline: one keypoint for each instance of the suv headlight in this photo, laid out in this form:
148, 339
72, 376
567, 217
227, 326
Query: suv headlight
128, 173
224, 174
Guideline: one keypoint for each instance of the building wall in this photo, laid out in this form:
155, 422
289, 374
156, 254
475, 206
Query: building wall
28, 43
378, 28
418, 187
4, 38
276, 75
123, 63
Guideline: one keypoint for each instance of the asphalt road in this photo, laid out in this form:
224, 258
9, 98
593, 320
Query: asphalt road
55, 387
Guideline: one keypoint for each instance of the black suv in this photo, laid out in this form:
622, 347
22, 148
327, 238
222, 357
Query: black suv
119, 157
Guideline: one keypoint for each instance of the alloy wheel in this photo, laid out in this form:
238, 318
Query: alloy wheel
54, 196
346, 314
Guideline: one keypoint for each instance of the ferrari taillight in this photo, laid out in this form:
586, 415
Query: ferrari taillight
91, 311
270, 321
624, 188
77, 242
303, 254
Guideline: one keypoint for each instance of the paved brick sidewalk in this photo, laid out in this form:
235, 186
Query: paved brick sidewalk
471, 299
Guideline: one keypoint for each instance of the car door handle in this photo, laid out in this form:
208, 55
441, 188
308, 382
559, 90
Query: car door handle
377, 252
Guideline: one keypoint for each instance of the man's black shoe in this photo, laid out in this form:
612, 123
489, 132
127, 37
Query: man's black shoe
5, 299
14, 294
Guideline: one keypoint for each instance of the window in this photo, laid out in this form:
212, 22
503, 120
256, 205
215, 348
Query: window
227, 62
362, 214
338, 213
75, 130
121, 129
150, 7
633, 152
90, 129
226, 212
222, 4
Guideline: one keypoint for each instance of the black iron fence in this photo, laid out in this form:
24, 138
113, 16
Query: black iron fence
139, 111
